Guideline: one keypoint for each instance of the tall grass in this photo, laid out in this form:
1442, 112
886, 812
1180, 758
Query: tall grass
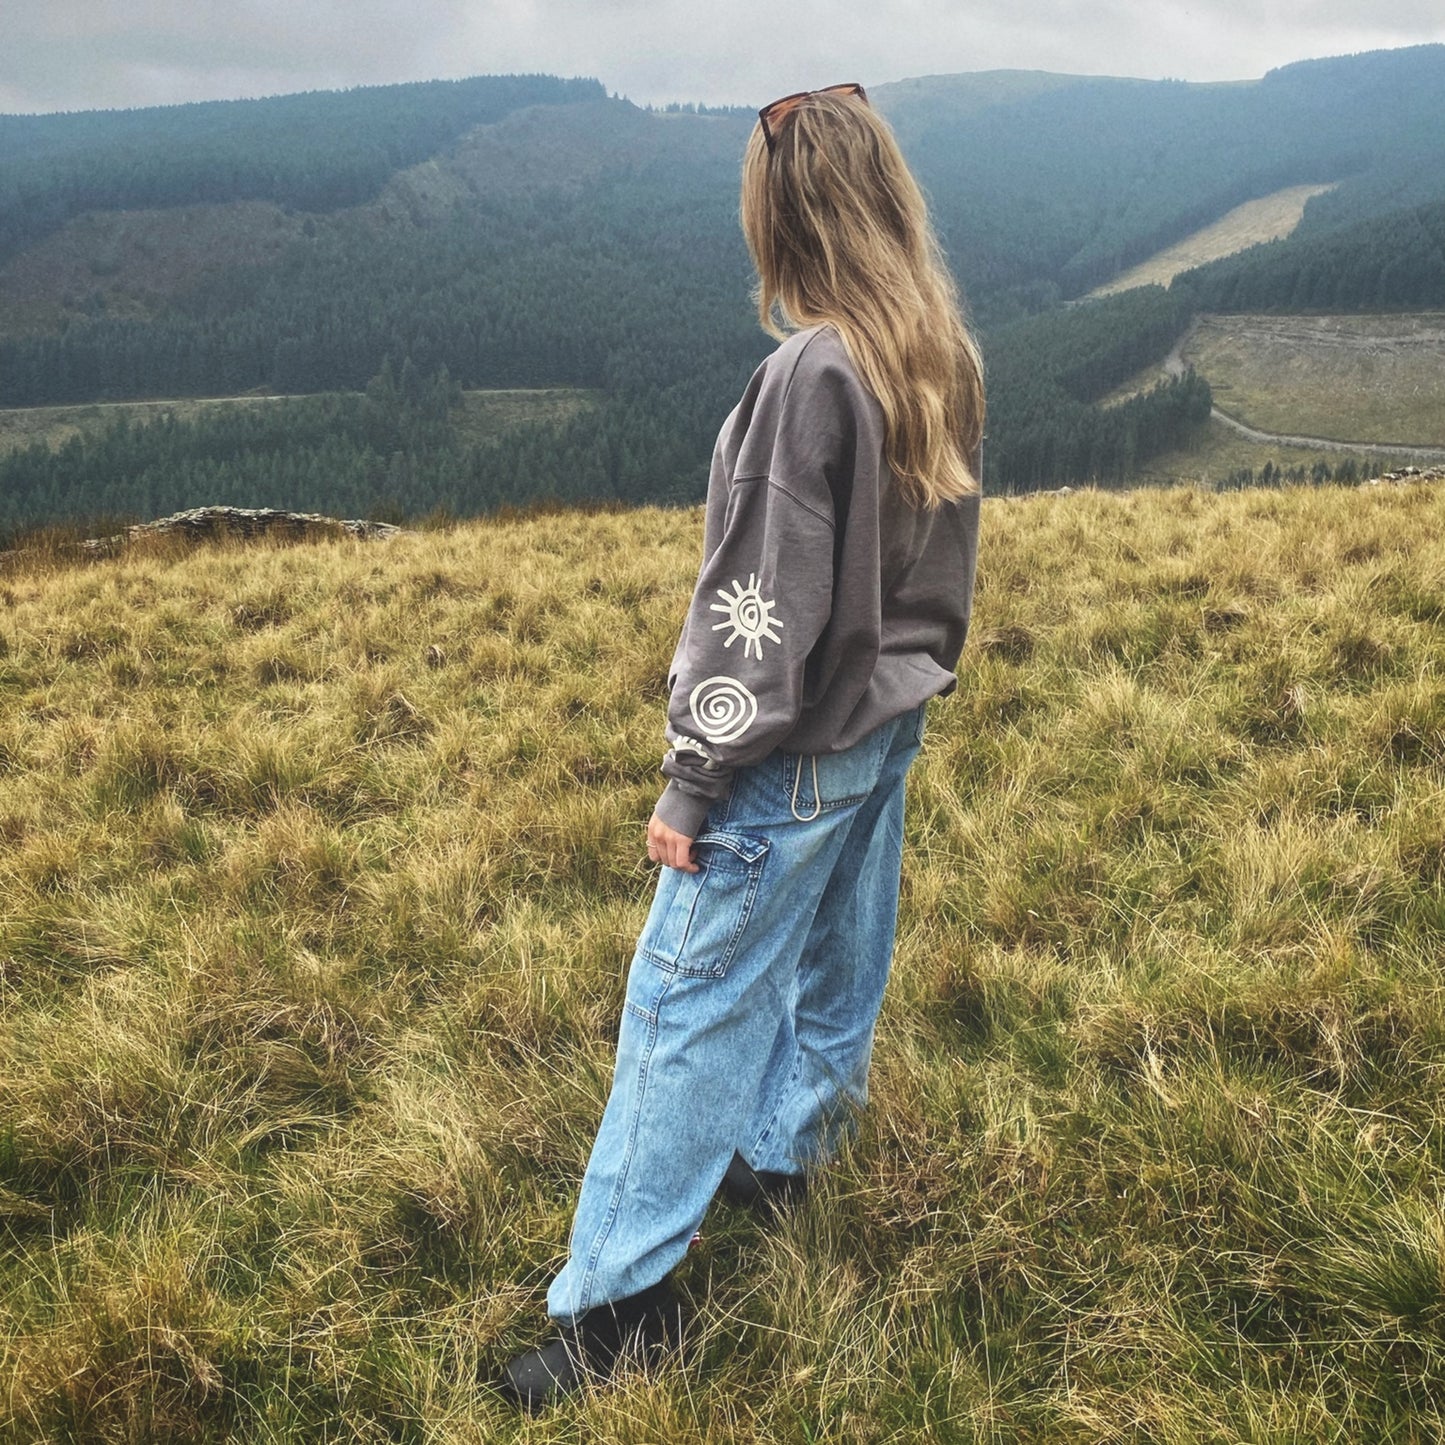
321, 866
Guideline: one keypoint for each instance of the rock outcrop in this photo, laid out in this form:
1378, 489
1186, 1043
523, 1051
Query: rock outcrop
212, 523
1408, 474
207, 523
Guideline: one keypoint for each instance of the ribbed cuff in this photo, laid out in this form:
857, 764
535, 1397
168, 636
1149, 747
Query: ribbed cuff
684, 812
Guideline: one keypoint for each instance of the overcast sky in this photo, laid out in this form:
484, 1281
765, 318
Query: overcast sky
88, 54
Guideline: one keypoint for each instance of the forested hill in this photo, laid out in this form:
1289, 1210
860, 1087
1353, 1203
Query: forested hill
319, 151
1047, 185
532, 231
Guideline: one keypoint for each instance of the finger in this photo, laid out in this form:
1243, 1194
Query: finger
669, 847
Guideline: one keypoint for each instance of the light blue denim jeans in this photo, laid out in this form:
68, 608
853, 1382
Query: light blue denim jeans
750, 1007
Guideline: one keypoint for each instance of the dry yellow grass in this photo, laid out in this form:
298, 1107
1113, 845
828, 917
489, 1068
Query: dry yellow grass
320, 869
1267, 219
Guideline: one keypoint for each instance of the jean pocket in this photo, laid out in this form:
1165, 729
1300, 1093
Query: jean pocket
919, 723
814, 783
697, 919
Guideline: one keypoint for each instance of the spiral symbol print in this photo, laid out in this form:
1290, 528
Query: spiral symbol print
722, 708
748, 615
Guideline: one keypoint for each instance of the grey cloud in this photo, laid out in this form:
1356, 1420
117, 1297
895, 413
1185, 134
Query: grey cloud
67, 54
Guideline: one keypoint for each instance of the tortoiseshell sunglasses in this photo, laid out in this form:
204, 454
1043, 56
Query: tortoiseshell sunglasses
771, 116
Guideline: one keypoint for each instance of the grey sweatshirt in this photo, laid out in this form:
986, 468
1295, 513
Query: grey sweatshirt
826, 605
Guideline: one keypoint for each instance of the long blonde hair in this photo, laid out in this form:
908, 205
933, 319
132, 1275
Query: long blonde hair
839, 232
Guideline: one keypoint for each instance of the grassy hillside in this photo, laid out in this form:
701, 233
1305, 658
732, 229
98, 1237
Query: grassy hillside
322, 867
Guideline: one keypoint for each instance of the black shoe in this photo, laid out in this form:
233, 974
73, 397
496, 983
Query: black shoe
764, 1191
635, 1330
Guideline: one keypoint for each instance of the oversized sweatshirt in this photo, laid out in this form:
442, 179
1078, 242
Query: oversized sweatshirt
826, 604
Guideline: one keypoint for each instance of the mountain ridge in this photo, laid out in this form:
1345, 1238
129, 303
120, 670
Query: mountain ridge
592, 243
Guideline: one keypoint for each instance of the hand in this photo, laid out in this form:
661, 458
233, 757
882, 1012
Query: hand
669, 847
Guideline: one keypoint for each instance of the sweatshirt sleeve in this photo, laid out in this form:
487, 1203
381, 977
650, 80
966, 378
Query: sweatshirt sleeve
762, 600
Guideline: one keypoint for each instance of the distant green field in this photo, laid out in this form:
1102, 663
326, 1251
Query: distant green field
55, 425
484, 413
1377, 379
481, 414
1218, 452
1350, 378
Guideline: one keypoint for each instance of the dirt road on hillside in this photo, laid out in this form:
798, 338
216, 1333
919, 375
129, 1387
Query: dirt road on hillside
1326, 444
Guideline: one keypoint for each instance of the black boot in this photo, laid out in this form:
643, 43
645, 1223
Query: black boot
634, 1330
764, 1191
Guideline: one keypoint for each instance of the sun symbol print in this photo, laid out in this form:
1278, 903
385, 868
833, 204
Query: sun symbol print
748, 615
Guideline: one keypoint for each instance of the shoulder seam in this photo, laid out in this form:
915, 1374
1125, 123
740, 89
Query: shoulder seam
788, 492
806, 506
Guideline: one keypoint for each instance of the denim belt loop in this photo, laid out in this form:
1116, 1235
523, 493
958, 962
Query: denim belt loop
817, 797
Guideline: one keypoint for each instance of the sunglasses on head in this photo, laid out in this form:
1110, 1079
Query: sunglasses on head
772, 116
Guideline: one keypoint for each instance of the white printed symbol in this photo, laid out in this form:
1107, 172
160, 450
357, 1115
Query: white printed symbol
747, 614
723, 707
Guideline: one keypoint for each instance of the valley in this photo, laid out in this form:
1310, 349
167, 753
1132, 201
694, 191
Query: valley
542, 240
320, 855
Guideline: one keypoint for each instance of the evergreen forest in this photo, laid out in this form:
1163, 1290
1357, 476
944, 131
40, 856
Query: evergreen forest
378, 250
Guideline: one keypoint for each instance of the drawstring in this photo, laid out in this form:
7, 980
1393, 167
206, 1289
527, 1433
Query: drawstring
817, 800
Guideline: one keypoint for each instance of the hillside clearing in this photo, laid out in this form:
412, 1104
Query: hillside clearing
131, 263
1270, 218
481, 414
1363, 379
322, 869
1350, 378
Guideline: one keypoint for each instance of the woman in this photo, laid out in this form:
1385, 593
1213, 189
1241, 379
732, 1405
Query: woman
834, 595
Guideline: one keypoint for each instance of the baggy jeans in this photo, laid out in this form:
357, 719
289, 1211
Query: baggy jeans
750, 1007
